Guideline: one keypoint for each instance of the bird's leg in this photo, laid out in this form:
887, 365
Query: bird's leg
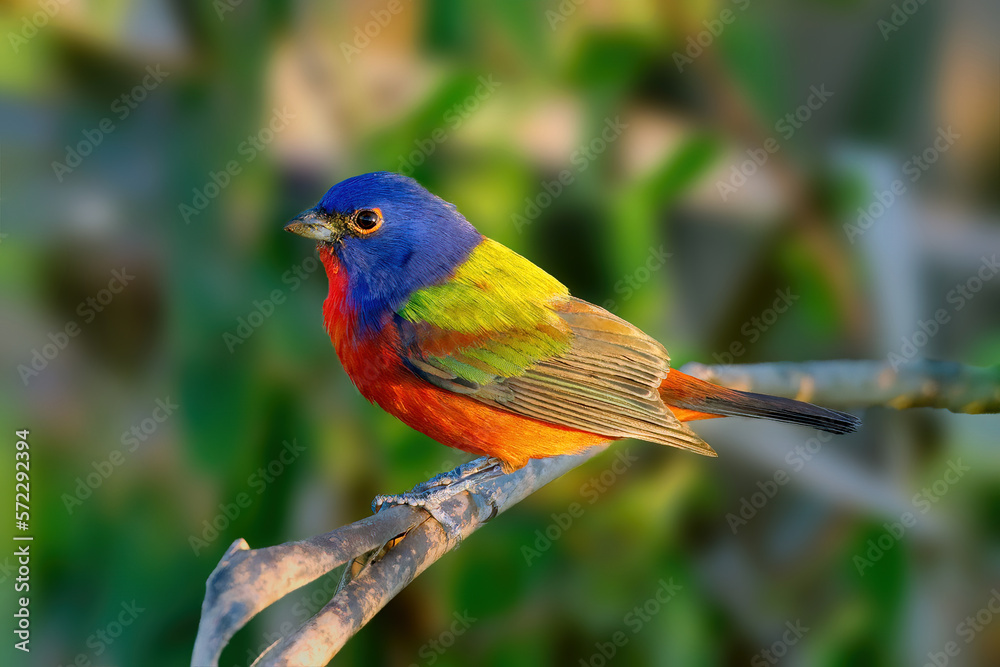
430, 495
476, 468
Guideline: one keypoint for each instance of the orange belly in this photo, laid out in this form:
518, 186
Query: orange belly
463, 423
452, 419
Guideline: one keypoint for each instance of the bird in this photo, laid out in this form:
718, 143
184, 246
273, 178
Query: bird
470, 343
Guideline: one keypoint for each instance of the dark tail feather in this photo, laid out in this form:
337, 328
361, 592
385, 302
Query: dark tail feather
684, 391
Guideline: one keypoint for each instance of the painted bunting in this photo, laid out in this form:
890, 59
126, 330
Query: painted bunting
468, 342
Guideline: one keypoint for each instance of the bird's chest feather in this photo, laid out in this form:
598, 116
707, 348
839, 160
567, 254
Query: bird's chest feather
372, 361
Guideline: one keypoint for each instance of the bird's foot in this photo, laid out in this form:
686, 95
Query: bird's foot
432, 494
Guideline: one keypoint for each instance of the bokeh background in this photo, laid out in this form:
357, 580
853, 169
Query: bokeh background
487, 104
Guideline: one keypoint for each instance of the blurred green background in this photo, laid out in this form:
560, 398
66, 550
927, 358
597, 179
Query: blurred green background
171, 141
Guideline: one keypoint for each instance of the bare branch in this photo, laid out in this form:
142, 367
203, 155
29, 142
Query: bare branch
318, 640
248, 581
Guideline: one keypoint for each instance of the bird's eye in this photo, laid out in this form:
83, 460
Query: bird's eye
368, 220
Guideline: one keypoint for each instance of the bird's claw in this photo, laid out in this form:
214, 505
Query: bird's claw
432, 494
430, 505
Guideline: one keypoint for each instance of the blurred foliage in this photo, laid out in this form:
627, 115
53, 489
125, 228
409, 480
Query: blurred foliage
410, 95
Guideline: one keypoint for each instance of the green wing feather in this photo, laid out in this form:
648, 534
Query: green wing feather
506, 333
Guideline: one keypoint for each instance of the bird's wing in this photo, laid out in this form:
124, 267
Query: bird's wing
505, 333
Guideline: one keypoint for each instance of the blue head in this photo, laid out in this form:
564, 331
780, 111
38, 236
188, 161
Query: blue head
391, 236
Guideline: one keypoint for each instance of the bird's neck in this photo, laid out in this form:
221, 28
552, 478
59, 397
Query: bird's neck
337, 315
365, 295
346, 322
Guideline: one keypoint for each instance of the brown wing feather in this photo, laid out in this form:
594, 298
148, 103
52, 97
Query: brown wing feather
606, 382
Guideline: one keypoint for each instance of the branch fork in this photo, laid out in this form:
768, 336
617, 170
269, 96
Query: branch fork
385, 553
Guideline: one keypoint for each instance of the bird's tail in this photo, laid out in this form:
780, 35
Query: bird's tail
690, 399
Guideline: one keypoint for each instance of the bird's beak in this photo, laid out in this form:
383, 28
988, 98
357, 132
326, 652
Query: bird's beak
316, 225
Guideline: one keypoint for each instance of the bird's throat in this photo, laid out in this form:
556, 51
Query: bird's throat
337, 318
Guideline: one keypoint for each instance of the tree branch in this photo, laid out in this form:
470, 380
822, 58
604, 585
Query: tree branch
248, 581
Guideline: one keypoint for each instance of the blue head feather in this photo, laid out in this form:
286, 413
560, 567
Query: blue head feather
422, 240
